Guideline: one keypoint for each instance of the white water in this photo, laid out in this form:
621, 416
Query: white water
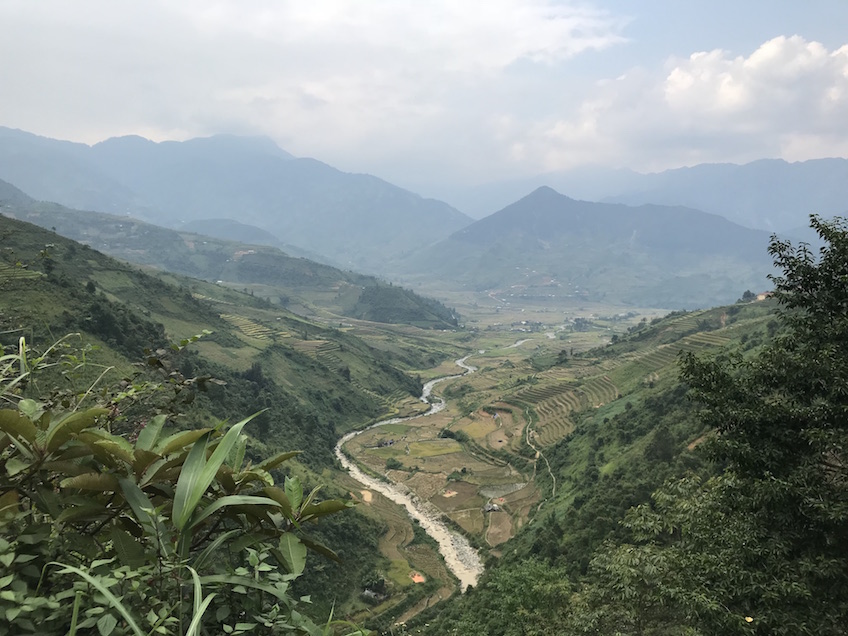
460, 557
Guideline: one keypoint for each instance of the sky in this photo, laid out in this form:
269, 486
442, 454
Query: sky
444, 92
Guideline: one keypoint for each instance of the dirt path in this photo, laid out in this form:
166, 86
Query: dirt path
529, 434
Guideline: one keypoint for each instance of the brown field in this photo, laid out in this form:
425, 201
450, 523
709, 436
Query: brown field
466, 496
471, 520
500, 528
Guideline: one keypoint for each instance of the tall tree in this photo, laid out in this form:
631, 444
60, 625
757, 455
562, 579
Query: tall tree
762, 548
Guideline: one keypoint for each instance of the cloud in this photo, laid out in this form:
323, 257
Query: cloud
787, 99
335, 79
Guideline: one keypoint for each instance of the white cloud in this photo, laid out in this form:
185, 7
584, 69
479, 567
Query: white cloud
415, 91
788, 98
334, 79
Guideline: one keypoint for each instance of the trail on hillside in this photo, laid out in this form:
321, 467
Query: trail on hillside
460, 557
528, 430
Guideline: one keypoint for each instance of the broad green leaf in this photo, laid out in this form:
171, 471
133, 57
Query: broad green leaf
320, 548
142, 508
231, 500
189, 485
129, 551
278, 495
150, 433
106, 624
142, 460
294, 553
324, 508
15, 466
32, 409
212, 548
275, 460
197, 473
180, 440
100, 482
61, 430
13, 423
88, 511
278, 591
237, 457
294, 491
8, 504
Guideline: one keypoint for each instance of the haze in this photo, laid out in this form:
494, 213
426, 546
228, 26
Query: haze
440, 96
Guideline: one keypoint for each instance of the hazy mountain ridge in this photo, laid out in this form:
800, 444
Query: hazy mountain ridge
767, 194
356, 220
266, 270
650, 255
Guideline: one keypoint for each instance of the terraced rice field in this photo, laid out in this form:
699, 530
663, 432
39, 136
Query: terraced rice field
251, 328
10, 272
554, 403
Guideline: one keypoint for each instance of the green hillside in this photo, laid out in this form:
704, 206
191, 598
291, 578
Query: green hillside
314, 382
305, 285
550, 246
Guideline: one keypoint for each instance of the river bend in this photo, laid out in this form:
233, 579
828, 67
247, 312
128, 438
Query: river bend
460, 557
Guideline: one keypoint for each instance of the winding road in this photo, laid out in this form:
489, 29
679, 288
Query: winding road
460, 557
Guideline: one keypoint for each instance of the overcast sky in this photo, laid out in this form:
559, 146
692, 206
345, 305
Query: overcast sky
428, 93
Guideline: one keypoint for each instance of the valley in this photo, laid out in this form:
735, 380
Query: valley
501, 419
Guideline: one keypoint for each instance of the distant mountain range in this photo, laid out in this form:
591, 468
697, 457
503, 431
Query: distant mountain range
663, 253
770, 194
352, 220
304, 286
548, 245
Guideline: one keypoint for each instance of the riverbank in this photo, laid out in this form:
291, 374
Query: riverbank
460, 557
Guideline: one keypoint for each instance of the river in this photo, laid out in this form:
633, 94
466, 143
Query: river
460, 557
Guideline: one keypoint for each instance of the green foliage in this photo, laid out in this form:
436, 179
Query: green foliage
763, 547
388, 303
165, 532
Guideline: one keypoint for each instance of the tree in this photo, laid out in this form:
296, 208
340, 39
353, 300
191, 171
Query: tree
762, 547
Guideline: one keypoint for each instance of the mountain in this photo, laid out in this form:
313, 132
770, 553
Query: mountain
769, 194
354, 220
302, 285
547, 244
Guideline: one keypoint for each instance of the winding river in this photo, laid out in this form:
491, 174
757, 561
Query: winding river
460, 557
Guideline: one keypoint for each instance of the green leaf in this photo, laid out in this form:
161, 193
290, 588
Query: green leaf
15, 466
61, 430
278, 495
294, 491
180, 440
130, 552
94, 582
197, 473
150, 433
100, 482
15, 424
212, 548
106, 624
32, 409
88, 511
278, 591
294, 553
231, 500
144, 511
320, 548
275, 460
324, 508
